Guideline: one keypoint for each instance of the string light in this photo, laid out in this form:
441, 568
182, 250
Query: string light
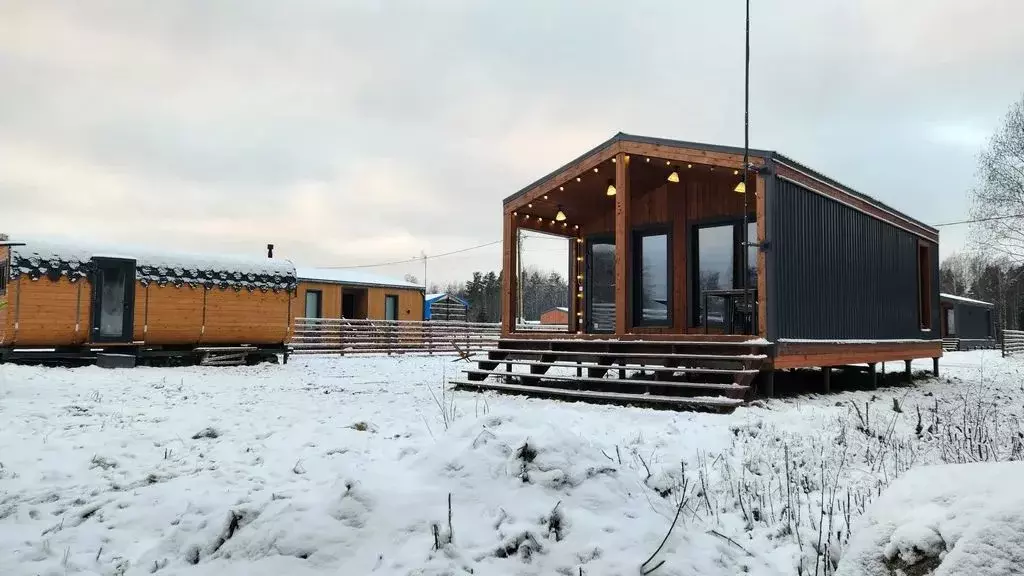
561, 188
545, 196
613, 160
595, 168
576, 227
735, 172
579, 240
578, 179
529, 205
689, 165
668, 162
647, 159
564, 224
515, 213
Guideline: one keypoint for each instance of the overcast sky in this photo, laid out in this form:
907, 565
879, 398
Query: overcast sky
353, 132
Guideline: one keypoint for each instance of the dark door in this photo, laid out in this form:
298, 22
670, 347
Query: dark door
600, 285
113, 300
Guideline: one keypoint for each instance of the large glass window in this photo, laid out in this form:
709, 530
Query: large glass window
752, 255
652, 282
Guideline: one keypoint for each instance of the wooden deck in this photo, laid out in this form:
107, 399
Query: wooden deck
713, 373
680, 374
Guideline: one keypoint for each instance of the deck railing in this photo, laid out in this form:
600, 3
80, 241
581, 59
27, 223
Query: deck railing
345, 336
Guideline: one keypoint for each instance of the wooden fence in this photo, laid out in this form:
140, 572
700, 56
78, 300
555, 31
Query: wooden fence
344, 336
1013, 342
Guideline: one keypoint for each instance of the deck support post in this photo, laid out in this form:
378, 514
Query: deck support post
872, 368
768, 383
910, 374
623, 250
826, 380
935, 367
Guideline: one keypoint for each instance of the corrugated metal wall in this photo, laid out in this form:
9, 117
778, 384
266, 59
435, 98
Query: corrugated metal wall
973, 322
837, 273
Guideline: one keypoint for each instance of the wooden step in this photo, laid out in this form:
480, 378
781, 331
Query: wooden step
617, 397
612, 342
636, 355
610, 367
732, 389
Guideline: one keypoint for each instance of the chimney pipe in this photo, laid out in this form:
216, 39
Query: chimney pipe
270, 250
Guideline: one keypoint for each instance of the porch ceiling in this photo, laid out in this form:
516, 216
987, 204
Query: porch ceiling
583, 195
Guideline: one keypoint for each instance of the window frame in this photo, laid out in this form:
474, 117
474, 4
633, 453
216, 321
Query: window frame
319, 302
636, 276
588, 287
394, 298
924, 285
693, 260
5, 275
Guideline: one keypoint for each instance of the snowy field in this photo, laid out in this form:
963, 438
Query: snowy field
347, 466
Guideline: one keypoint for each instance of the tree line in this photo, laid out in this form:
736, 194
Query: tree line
541, 291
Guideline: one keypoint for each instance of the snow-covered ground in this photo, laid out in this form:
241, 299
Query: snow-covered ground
348, 465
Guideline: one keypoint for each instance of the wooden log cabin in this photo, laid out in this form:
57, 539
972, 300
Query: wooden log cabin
326, 293
673, 306
75, 303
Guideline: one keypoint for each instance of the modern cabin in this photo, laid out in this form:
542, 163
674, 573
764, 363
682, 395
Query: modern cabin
697, 273
967, 324
446, 307
75, 302
331, 293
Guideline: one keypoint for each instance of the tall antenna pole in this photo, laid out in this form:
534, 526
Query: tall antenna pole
746, 166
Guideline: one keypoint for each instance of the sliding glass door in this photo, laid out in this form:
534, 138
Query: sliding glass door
599, 315
717, 253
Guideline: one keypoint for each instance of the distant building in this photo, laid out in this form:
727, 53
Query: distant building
967, 323
446, 307
558, 315
355, 294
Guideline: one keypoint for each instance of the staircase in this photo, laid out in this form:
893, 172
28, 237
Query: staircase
686, 374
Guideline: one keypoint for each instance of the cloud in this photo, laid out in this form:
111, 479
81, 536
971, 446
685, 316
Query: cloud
355, 132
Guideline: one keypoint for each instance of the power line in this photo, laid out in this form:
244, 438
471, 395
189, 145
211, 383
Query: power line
989, 219
417, 258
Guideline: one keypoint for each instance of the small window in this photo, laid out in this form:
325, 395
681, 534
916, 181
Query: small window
391, 307
924, 285
314, 300
950, 322
4, 273
652, 268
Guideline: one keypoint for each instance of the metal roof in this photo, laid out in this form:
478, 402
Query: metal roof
965, 300
754, 153
352, 277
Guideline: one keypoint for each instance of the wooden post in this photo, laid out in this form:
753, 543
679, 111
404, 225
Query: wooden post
910, 374
768, 383
762, 281
623, 251
872, 368
509, 282
826, 381
935, 367
575, 269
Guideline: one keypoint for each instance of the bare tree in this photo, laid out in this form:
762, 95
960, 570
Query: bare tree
998, 198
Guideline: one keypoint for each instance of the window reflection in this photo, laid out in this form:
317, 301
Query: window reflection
654, 279
715, 251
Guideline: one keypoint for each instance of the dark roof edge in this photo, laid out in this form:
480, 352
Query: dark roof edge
754, 152
836, 184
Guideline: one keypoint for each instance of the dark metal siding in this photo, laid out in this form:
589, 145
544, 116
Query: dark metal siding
837, 273
972, 322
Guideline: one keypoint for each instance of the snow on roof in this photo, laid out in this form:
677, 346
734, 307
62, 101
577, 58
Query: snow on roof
39, 258
431, 298
68, 252
965, 300
352, 277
